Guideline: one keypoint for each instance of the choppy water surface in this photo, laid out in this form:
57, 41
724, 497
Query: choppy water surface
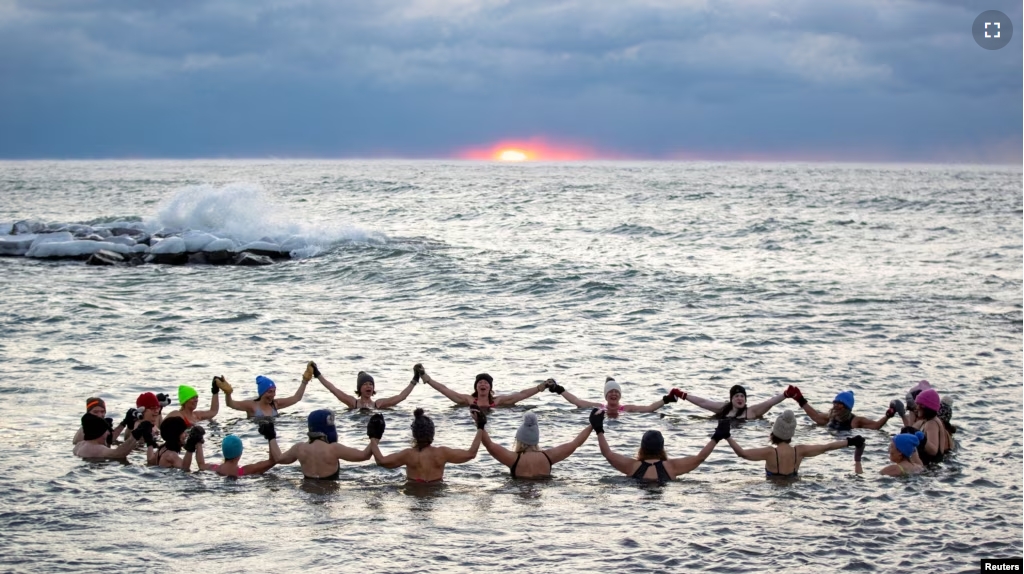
697, 276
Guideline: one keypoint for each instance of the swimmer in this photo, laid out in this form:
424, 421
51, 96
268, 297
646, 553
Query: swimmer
939, 441
319, 457
265, 404
483, 392
651, 463
783, 460
188, 400
526, 459
903, 454
736, 407
148, 407
231, 447
95, 406
612, 396
177, 434
423, 462
365, 391
840, 417
93, 445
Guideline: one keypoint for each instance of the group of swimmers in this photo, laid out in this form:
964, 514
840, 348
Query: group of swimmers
926, 435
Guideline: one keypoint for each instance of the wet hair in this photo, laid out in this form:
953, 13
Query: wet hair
490, 391
422, 430
776, 440
641, 454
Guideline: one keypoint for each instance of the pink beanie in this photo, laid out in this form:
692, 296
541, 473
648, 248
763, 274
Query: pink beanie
929, 399
921, 386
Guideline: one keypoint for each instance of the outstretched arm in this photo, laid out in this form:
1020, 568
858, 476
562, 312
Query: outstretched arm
562, 451
393, 460
623, 464
580, 402
866, 423
509, 400
708, 405
342, 396
289, 401
759, 409
259, 467
644, 408
686, 464
809, 450
817, 417
392, 401
498, 452
457, 456
214, 409
750, 454
457, 398
288, 457
350, 454
247, 406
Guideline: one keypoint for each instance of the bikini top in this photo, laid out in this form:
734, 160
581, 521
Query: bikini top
512, 468
659, 467
258, 412
779, 467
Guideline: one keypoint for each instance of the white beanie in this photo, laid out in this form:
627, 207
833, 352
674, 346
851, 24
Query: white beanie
611, 385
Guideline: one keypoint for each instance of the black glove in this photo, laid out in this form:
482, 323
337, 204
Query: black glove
670, 398
213, 386
375, 428
417, 372
165, 401
110, 429
479, 416
597, 420
130, 419
316, 371
266, 429
855, 441
144, 432
554, 387
723, 431
195, 436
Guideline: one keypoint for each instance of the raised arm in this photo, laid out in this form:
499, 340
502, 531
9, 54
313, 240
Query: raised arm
393, 460
350, 454
259, 467
342, 396
750, 454
392, 401
818, 418
562, 451
760, 409
623, 464
809, 450
458, 456
686, 464
644, 408
866, 423
708, 405
509, 400
579, 402
498, 452
124, 449
288, 457
457, 398
289, 401
209, 414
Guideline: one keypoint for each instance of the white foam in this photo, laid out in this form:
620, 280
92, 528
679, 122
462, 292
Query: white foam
263, 246
74, 248
197, 240
169, 245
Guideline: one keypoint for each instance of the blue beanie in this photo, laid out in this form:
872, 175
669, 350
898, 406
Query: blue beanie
321, 422
907, 443
231, 446
845, 397
264, 384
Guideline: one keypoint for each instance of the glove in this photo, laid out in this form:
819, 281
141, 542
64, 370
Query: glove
266, 429
417, 372
195, 437
857, 441
144, 432
213, 386
130, 418
479, 416
223, 384
316, 371
673, 396
375, 428
723, 431
597, 420
896, 407
794, 393
307, 375
110, 428
165, 401
554, 387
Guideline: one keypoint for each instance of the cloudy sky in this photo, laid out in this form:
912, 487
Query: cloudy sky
896, 80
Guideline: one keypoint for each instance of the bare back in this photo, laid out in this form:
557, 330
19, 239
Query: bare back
426, 464
317, 459
533, 464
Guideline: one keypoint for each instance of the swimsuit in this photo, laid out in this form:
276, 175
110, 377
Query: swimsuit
257, 412
424, 481
335, 476
740, 415
621, 408
214, 467
659, 466
838, 425
931, 458
516, 463
778, 467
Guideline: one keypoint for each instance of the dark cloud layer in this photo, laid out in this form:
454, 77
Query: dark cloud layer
781, 79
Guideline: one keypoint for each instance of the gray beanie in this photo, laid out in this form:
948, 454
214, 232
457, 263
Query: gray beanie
529, 432
785, 426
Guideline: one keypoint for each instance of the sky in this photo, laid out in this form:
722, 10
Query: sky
814, 80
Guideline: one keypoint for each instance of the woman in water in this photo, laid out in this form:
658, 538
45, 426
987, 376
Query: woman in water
903, 454
612, 396
188, 400
483, 393
526, 459
266, 404
319, 458
424, 462
783, 459
176, 434
736, 407
939, 441
365, 391
95, 432
96, 407
651, 463
840, 417
231, 447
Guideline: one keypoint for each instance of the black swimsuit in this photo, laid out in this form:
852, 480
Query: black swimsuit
334, 476
778, 467
659, 466
838, 425
516, 463
930, 458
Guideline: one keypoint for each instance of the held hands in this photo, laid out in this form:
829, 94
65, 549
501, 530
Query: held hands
554, 387
221, 383
130, 418
896, 408
673, 396
417, 372
478, 416
266, 428
307, 375
375, 428
723, 431
195, 437
597, 420
856, 441
316, 371
794, 393
144, 432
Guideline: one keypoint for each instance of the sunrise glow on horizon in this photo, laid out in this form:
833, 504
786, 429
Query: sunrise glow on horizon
535, 149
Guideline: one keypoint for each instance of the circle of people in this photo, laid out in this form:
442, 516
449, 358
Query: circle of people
925, 438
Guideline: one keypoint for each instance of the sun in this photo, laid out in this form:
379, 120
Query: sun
512, 155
